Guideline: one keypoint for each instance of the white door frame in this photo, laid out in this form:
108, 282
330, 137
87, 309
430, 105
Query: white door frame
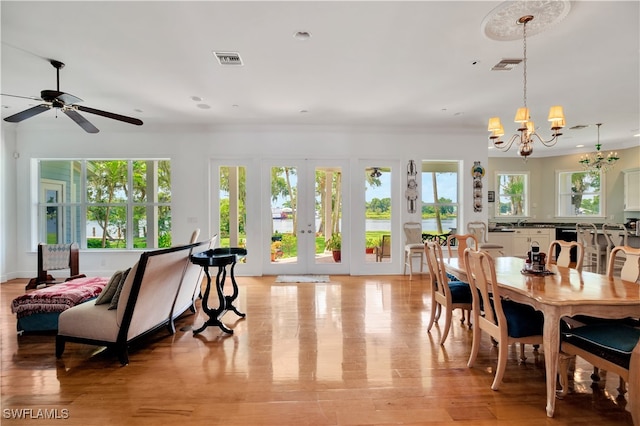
306, 263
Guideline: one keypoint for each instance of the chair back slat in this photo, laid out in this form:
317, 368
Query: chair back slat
631, 268
563, 257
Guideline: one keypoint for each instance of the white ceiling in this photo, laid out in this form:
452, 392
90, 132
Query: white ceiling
410, 65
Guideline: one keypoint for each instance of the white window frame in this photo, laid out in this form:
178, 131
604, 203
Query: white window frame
83, 204
561, 192
525, 196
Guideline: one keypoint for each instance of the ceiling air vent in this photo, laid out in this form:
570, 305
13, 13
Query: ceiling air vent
228, 58
506, 65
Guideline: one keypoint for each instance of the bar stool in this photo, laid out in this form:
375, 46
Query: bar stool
616, 235
594, 252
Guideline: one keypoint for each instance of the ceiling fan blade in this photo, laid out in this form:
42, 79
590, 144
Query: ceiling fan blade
33, 98
81, 121
27, 113
106, 114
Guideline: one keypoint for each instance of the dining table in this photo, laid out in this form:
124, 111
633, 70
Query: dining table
559, 292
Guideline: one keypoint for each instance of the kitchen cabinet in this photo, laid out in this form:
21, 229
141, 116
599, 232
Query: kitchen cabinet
522, 239
502, 238
632, 190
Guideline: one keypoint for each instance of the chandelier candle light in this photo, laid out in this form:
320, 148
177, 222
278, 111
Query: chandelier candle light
527, 128
597, 161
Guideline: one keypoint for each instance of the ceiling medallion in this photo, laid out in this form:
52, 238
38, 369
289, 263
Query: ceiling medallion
498, 24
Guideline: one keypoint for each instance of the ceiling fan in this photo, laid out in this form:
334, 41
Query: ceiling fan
66, 103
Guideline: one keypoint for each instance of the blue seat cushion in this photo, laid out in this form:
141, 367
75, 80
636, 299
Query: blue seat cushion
613, 342
522, 320
589, 320
460, 292
452, 277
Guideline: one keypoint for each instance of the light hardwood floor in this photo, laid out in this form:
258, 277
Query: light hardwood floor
354, 351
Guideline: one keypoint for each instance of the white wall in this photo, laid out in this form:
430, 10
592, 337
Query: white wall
190, 153
8, 210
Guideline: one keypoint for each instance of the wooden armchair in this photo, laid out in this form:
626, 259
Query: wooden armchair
53, 257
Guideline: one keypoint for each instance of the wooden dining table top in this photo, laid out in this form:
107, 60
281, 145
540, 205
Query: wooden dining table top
564, 286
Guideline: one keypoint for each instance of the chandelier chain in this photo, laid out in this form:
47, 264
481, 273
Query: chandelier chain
524, 49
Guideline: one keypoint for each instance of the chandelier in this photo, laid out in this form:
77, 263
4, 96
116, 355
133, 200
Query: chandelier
597, 161
526, 127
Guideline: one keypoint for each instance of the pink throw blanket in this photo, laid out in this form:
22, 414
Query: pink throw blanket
59, 297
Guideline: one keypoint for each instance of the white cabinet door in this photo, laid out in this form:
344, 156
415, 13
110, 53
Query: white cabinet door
523, 238
632, 190
504, 239
520, 243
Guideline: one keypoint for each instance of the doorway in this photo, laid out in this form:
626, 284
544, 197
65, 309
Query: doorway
304, 217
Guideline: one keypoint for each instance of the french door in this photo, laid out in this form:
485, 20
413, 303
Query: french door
303, 207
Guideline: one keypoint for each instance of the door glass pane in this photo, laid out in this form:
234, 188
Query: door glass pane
284, 191
378, 213
439, 198
328, 215
233, 212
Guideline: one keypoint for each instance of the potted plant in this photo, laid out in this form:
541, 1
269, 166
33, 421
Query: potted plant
370, 245
334, 243
276, 250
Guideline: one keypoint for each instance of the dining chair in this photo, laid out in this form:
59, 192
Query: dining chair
479, 229
414, 247
560, 251
594, 252
384, 249
507, 322
616, 235
445, 293
460, 242
630, 270
612, 347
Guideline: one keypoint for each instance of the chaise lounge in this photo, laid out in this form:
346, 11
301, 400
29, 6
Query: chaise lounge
158, 288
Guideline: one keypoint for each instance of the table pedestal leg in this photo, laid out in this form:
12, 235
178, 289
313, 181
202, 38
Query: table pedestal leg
215, 314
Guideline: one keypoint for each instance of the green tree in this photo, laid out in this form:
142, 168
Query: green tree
106, 182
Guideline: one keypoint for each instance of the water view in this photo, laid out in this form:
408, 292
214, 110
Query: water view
285, 226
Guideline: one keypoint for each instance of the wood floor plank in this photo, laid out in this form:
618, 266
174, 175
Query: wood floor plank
354, 351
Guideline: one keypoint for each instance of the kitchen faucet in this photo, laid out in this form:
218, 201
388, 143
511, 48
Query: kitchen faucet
521, 222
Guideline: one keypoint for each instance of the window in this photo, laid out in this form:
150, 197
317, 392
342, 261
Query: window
121, 204
513, 194
439, 196
579, 194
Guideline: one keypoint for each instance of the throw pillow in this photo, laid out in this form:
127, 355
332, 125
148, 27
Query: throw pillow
109, 290
116, 296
